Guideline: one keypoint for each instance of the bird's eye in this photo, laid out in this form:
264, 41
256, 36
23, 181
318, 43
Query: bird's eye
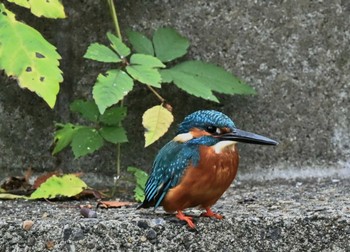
213, 130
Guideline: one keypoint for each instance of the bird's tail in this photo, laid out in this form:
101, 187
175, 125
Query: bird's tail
145, 204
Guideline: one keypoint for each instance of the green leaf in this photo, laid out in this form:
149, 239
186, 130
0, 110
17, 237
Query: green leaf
140, 43
27, 56
144, 74
143, 68
214, 77
46, 8
113, 116
200, 79
68, 186
118, 45
146, 60
63, 136
86, 140
166, 76
114, 134
140, 175
139, 194
156, 122
87, 109
189, 83
101, 53
169, 44
141, 179
111, 88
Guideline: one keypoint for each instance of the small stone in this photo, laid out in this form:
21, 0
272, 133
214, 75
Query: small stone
67, 233
88, 213
157, 222
142, 224
50, 245
273, 207
143, 238
151, 234
27, 225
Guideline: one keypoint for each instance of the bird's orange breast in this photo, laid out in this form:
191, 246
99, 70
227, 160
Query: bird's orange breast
204, 184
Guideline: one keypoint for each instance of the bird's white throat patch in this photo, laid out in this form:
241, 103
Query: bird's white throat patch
184, 137
223, 145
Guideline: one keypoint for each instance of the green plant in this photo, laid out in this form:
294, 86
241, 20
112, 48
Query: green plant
86, 139
195, 77
31, 60
141, 179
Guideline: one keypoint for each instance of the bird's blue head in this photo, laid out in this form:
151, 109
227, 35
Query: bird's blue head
208, 120
210, 127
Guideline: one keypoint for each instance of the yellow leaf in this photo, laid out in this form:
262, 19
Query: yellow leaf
10, 196
46, 8
156, 122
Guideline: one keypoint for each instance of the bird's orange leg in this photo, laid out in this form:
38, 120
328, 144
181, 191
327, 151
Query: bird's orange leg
210, 213
180, 215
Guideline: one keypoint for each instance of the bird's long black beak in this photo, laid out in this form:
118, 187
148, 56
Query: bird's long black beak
246, 137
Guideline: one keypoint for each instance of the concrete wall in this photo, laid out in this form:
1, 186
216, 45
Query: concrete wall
294, 53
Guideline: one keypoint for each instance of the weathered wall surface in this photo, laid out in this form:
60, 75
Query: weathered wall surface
294, 53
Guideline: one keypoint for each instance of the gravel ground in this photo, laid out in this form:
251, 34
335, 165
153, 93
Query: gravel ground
309, 215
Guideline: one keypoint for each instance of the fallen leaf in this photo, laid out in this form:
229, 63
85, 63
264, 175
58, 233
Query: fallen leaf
91, 192
10, 196
15, 183
113, 204
28, 174
41, 179
68, 185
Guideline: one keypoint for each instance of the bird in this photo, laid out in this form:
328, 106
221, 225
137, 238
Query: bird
198, 165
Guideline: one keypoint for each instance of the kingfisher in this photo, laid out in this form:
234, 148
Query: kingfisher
198, 165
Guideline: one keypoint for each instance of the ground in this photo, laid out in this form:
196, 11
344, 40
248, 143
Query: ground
279, 215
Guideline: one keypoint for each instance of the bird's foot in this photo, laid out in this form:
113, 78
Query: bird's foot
210, 213
189, 220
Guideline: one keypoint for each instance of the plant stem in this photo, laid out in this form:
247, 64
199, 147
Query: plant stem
117, 29
162, 100
115, 18
156, 94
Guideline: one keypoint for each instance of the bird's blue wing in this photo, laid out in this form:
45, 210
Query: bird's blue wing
168, 169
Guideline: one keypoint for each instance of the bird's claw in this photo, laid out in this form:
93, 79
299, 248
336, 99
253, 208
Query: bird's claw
210, 213
188, 219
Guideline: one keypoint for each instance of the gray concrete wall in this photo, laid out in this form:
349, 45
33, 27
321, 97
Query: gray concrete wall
294, 53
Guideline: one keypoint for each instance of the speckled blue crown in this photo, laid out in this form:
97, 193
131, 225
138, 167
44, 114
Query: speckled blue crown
204, 118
